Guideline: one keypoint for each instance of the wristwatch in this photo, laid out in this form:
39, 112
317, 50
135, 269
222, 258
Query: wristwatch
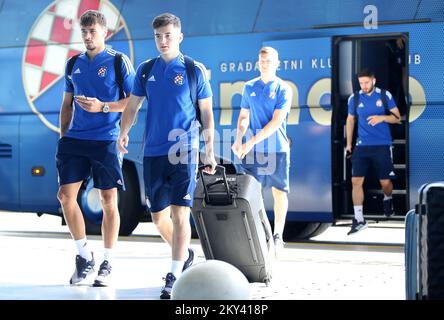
105, 108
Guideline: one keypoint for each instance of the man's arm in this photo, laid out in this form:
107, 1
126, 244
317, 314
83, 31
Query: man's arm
127, 120
207, 118
95, 105
349, 127
391, 118
394, 117
271, 127
66, 112
243, 122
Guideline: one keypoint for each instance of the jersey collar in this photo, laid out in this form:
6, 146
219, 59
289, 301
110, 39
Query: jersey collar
178, 60
85, 57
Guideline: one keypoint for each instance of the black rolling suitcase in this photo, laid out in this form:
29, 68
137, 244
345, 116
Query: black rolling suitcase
232, 223
430, 268
410, 253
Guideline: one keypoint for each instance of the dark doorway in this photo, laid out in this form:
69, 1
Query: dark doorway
387, 56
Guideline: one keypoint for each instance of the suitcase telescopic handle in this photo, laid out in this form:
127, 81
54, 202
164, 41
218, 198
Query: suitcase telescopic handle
219, 168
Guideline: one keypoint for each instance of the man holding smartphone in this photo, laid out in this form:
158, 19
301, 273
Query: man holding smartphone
89, 127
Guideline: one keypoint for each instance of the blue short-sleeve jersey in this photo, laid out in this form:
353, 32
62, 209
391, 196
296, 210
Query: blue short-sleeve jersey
96, 78
171, 124
261, 100
370, 105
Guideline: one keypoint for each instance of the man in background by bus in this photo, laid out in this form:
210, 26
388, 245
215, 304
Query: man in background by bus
89, 127
373, 144
265, 104
171, 139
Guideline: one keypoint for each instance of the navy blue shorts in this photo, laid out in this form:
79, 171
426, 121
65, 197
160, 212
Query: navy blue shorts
270, 169
78, 159
378, 157
168, 182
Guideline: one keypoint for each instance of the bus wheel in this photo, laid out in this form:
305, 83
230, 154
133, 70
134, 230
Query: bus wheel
303, 230
130, 208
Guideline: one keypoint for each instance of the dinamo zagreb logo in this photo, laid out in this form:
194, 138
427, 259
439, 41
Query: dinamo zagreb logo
55, 37
178, 79
102, 72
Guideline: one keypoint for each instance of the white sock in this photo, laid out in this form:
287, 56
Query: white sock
359, 216
108, 255
386, 197
82, 247
176, 268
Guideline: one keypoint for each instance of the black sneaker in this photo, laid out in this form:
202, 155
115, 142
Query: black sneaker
357, 226
388, 208
104, 275
169, 282
83, 270
189, 261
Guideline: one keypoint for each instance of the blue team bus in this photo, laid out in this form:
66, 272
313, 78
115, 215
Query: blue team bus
322, 45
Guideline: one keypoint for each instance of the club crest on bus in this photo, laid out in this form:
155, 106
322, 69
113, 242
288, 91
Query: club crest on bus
55, 37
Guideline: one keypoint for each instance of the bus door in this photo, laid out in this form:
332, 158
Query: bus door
387, 56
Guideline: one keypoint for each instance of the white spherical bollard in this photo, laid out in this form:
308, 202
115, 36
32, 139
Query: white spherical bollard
211, 280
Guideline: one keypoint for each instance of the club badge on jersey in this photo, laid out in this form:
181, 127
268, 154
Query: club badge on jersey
272, 95
178, 79
102, 72
379, 103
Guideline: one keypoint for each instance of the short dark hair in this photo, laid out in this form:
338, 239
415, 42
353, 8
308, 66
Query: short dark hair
165, 19
366, 73
91, 17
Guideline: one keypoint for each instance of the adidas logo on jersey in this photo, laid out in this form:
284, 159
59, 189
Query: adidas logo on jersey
119, 182
392, 174
361, 105
253, 94
77, 71
152, 78
187, 197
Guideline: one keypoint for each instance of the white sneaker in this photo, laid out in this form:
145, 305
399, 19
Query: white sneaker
103, 278
278, 245
83, 270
